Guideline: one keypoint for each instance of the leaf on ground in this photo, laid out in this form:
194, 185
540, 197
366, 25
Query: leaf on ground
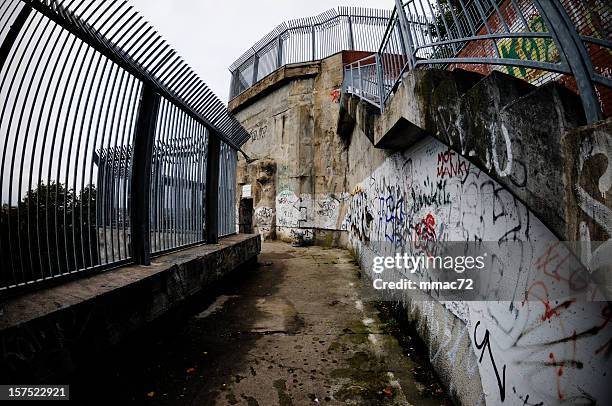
388, 391
191, 370
150, 394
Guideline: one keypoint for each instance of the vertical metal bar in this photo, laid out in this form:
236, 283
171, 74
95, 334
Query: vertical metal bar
279, 53
360, 79
485, 22
255, 68
352, 79
381, 85
351, 36
468, 17
405, 33
446, 27
212, 189
13, 32
314, 39
144, 138
577, 57
234, 85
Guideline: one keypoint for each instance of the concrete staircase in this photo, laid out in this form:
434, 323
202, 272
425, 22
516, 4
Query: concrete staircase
529, 139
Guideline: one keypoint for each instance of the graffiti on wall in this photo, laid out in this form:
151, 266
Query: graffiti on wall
259, 132
264, 220
298, 215
529, 49
532, 350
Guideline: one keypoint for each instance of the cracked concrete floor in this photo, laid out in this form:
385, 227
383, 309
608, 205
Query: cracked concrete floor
291, 331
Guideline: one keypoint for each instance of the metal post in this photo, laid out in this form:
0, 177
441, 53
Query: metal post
234, 85
360, 79
11, 36
569, 43
255, 68
351, 36
279, 53
140, 182
405, 32
212, 189
314, 44
381, 84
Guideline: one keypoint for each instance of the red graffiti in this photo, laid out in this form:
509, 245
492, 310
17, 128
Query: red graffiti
335, 95
450, 165
559, 373
554, 264
425, 233
549, 311
425, 230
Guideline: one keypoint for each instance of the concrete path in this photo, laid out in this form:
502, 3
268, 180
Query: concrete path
293, 331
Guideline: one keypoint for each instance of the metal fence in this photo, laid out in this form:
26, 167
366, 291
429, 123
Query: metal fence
309, 39
112, 148
535, 40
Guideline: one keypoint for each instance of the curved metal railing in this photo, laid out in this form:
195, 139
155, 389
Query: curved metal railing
309, 39
112, 149
534, 40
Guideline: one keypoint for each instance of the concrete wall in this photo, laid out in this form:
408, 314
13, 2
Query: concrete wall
463, 157
412, 191
492, 159
297, 177
48, 334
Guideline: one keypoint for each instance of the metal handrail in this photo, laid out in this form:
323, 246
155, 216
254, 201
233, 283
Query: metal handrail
487, 34
308, 39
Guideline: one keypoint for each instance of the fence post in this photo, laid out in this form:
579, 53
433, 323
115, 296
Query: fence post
255, 67
234, 85
11, 36
381, 83
351, 36
405, 32
212, 189
360, 79
279, 54
568, 41
140, 182
314, 45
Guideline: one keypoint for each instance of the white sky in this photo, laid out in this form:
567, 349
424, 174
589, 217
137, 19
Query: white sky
211, 34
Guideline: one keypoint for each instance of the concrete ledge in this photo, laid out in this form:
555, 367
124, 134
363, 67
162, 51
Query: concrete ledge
48, 333
273, 81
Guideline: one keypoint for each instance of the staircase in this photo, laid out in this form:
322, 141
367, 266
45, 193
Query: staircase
530, 139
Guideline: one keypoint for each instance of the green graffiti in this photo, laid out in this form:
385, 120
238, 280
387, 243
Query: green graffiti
529, 49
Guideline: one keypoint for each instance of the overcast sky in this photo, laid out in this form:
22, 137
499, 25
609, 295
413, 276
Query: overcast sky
211, 34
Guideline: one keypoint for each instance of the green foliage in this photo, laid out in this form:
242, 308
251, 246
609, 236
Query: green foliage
51, 231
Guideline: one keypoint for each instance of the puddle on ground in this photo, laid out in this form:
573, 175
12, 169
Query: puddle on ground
215, 307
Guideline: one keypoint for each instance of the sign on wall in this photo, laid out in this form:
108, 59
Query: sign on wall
246, 191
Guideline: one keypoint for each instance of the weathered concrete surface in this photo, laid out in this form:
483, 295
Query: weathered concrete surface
49, 333
293, 130
505, 126
588, 190
506, 165
588, 181
273, 81
430, 193
472, 158
293, 331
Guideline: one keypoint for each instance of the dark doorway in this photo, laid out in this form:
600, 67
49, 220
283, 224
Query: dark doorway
245, 216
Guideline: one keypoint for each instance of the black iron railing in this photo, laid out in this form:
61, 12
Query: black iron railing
110, 144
